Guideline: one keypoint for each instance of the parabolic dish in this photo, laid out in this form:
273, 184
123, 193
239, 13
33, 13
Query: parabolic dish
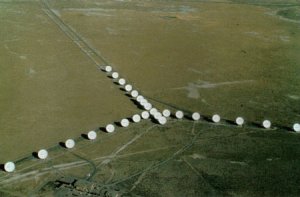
216, 118
134, 93
166, 113
136, 118
70, 143
92, 135
9, 166
108, 69
43, 154
110, 128
122, 81
128, 88
266, 124
196, 116
296, 127
239, 121
162, 120
179, 114
115, 75
124, 122
145, 115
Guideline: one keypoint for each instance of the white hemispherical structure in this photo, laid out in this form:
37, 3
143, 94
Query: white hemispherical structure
122, 81
110, 128
196, 116
42, 154
153, 111
145, 115
92, 135
166, 113
162, 120
69, 143
157, 115
143, 101
9, 166
136, 118
115, 75
134, 93
239, 121
296, 127
139, 98
179, 114
108, 69
267, 124
128, 88
124, 122
147, 106
216, 118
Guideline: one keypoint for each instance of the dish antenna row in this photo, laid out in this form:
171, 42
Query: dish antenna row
238, 121
161, 117
70, 143
42, 154
132, 92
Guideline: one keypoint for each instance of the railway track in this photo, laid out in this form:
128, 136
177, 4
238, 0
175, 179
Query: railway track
86, 48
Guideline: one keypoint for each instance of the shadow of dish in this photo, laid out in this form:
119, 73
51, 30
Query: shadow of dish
62, 144
35, 155
135, 102
118, 123
103, 129
2, 167
84, 136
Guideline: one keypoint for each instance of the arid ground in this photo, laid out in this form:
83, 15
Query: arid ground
233, 58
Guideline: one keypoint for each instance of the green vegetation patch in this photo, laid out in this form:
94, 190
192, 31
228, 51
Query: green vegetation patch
291, 13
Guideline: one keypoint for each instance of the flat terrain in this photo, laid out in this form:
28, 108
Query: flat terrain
50, 90
234, 58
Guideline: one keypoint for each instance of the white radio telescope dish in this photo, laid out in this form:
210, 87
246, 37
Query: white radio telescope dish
70, 143
92, 135
179, 114
108, 69
128, 88
196, 116
296, 127
134, 93
145, 115
136, 118
124, 122
9, 166
216, 118
162, 120
122, 81
267, 124
115, 75
166, 113
110, 128
43, 154
239, 121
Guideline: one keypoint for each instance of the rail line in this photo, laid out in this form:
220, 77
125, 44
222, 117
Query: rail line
92, 53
